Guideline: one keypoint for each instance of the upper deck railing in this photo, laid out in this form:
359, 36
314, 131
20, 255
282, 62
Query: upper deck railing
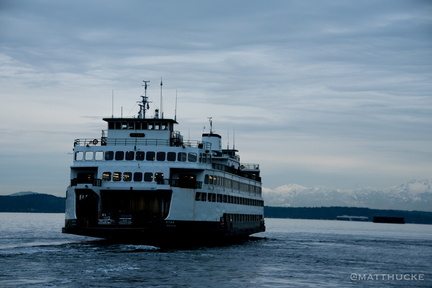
249, 166
140, 142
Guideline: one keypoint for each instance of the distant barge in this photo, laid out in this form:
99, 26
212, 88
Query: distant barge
393, 220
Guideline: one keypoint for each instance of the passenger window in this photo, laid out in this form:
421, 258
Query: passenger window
130, 155
171, 156
148, 177
138, 177
106, 176
79, 156
140, 155
98, 155
127, 176
117, 176
159, 176
160, 156
150, 156
192, 157
109, 155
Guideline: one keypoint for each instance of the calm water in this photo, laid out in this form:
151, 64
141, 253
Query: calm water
293, 253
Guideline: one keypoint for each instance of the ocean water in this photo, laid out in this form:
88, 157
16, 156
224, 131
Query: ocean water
292, 253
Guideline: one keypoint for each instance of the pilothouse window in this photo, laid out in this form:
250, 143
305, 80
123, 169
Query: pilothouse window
160, 156
98, 155
79, 156
88, 155
109, 155
181, 157
171, 156
192, 157
119, 155
130, 155
150, 156
140, 155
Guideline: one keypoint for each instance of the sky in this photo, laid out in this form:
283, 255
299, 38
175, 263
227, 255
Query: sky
319, 93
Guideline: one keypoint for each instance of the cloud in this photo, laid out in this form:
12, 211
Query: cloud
331, 92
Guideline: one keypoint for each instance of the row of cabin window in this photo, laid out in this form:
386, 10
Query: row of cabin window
136, 177
141, 156
243, 217
229, 183
222, 198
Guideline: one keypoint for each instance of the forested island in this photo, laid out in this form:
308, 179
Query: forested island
45, 203
35, 202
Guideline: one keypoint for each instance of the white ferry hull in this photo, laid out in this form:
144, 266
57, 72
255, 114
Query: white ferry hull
169, 225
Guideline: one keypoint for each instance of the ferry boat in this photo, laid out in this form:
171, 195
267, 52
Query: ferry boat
141, 181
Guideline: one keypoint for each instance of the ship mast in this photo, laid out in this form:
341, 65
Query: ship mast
211, 124
144, 105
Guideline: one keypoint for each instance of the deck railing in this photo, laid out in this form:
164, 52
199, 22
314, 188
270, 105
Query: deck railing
249, 166
139, 142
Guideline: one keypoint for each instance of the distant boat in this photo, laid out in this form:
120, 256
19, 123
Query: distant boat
141, 181
352, 218
393, 220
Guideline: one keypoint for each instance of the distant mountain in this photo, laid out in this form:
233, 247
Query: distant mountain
32, 202
23, 193
413, 195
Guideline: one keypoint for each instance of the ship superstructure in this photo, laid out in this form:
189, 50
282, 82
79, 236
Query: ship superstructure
141, 181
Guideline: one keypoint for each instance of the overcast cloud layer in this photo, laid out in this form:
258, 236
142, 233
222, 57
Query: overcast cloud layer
334, 93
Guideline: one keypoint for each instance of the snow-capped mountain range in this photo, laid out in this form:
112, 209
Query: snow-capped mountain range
413, 195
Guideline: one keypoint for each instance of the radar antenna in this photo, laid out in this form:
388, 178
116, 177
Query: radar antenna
144, 104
